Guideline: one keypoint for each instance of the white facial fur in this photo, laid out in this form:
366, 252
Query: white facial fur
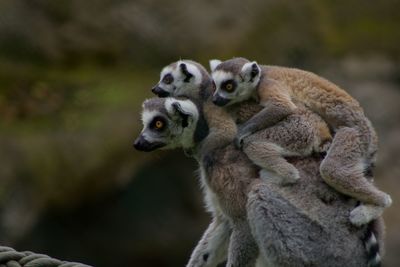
147, 118
241, 93
179, 87
246, 85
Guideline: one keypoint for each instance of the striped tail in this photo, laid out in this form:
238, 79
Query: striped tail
372, 247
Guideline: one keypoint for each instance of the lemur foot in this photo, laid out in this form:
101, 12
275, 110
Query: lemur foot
363, 214
291, 177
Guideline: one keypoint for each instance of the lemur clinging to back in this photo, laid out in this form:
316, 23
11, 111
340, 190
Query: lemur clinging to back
290, 226
278, 90
308, 134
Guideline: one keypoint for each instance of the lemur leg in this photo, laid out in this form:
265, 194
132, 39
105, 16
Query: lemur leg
212, 248
269, 156
243, 250
296, 135
343, 169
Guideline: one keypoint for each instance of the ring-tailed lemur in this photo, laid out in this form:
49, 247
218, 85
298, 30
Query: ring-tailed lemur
170, 123
291, 226
278, 90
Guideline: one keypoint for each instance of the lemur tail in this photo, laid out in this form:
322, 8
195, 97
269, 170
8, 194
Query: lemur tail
371, 244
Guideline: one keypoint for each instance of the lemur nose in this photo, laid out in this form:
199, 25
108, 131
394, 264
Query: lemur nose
159, 91
140, 143
220, 101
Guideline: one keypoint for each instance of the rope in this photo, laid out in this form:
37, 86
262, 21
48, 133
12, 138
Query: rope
11, 258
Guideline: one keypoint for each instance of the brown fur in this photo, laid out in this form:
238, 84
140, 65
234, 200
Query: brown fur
355, 142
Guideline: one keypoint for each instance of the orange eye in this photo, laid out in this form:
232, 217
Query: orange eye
159, 124
229, 87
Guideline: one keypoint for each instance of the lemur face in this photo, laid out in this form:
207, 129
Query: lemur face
235, 80
167, 123
178, 79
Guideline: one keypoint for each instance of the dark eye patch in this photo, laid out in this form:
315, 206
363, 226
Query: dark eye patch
168, 78
156, 122
229, 86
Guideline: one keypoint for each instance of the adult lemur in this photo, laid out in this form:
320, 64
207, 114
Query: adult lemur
190, 79
279, 90
300, 225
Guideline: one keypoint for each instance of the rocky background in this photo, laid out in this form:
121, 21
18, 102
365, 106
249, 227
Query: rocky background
74, 73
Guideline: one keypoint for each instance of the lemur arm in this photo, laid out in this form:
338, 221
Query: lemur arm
222, 128
212, 248
277, 103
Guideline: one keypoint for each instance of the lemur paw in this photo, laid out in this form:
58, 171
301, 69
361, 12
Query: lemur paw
363, 214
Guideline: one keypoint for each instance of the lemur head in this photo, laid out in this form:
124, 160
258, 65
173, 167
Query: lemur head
183, 78
235, 80
167, 123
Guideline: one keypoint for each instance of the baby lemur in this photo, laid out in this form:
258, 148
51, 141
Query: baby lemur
282, 227
279, 90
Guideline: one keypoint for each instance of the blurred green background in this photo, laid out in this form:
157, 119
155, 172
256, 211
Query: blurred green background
73, 75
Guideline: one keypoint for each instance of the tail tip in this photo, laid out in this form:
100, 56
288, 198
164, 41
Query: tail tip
372, 247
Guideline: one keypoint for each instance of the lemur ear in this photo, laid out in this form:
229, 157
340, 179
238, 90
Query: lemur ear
182, 113
214, 63
184, 110
185, 72
250, 71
